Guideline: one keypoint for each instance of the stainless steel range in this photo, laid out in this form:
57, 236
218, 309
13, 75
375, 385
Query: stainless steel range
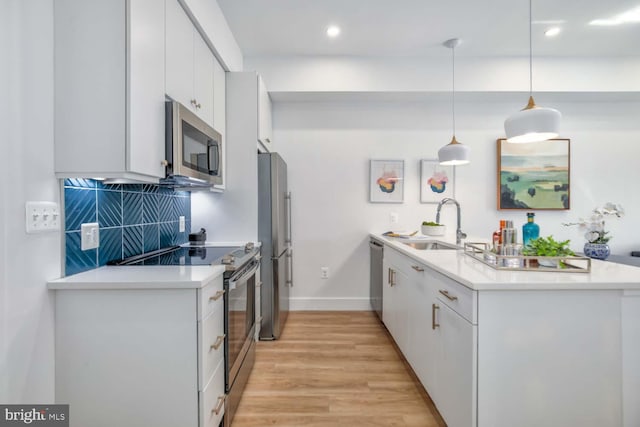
241, 265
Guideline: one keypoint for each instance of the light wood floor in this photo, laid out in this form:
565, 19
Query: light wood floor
333, 369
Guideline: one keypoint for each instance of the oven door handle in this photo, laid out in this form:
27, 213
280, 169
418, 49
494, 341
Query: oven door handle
244, 276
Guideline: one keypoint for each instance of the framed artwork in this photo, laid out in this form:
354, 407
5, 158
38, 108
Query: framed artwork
436, 181
534, 175
386, 181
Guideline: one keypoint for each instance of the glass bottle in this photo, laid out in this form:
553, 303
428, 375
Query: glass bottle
497, 236
530, 230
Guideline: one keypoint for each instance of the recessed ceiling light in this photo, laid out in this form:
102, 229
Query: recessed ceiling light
629, 17
333, 31
552, 32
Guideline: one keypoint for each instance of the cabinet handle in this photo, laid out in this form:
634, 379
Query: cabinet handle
434, 307
392, 277
417, 268
198, 106
193, 102
267, 140
216, 345
449, 296
259, 284
217, 296
165, 163
219, 406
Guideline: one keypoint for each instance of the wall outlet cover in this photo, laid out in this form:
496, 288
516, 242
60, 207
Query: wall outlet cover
324, 272
90, 236
181, 224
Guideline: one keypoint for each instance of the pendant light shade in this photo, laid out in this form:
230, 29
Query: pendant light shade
533, 123
454, 153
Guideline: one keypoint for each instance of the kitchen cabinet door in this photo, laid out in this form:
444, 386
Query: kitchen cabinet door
203, 73
180, 63
265, 125
189, 64
394, 303
422, 334
455, 395
109, 57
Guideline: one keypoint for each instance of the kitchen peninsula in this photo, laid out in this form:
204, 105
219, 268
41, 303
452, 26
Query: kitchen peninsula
504, 348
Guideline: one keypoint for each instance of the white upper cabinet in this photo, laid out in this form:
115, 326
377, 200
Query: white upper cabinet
109, 89
189, 64
220, 114
265, 127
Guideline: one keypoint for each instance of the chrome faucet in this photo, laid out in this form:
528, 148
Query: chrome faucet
459, 234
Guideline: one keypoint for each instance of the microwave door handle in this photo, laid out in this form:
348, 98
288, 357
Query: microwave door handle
213, 168
233, 283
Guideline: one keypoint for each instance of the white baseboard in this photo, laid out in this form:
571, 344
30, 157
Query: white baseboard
329, 304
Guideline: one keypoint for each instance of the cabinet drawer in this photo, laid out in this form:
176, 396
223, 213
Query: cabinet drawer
210, 298
459, 298
212, 400
211, 344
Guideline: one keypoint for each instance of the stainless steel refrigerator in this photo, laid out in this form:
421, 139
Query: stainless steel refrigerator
274, 231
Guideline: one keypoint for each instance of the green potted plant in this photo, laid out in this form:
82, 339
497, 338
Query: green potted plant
430, 228
548, 247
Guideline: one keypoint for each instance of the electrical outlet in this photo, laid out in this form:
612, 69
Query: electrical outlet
324, 272
90, 236
394, 217
42, 216
181, 224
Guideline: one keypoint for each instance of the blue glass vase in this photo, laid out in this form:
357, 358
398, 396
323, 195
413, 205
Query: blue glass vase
597, 250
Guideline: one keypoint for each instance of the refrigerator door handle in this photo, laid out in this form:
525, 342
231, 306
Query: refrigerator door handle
288, 199
290, 267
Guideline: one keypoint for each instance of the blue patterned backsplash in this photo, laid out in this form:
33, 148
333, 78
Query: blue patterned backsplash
133, 219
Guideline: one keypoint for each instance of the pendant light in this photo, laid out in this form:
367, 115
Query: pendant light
533, 123
454, 153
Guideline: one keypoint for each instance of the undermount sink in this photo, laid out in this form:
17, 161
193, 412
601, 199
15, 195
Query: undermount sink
431, 246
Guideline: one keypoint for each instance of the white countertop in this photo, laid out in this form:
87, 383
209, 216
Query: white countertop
141, 277
148, 276
479, 276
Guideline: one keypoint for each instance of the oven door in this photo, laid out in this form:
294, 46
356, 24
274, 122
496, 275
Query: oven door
239, 317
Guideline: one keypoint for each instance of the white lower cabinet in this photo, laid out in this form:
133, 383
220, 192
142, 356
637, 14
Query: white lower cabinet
141, 357
526, 358
454, 393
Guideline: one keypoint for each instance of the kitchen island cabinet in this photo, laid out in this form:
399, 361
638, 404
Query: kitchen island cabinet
522, 348
141, 346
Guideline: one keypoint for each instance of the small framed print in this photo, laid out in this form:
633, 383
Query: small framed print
534, 176
436, 181
386, 181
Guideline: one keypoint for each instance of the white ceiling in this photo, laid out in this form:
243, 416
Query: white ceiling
418, 27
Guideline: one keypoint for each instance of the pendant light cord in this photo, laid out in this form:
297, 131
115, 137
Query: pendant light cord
530, 52
453, 88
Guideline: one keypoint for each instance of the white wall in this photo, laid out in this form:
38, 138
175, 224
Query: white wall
328, 146
27, 261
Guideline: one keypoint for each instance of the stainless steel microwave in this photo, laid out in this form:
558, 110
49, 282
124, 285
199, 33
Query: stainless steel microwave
193, 149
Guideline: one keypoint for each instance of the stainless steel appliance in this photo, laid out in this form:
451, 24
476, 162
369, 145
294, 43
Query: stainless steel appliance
274, 231
376, 251
242, 264
193, 149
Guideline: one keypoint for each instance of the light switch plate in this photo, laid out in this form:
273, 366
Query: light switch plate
42, 217
90, 236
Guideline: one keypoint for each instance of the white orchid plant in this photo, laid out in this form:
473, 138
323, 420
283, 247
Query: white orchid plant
594, 225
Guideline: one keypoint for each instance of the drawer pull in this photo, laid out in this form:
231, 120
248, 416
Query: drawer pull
216, 345
449, 296
219, 406
217, 296
434, 307
417, 268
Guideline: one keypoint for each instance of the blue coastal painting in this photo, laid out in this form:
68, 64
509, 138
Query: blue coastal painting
534, 175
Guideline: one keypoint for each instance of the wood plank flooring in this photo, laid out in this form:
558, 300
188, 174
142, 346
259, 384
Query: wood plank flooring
333, 369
